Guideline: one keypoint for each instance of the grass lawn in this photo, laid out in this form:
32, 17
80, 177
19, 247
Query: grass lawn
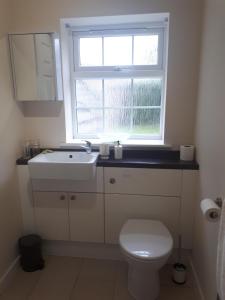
146, 129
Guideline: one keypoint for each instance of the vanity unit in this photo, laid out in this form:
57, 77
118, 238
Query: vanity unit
95, 210
68, 210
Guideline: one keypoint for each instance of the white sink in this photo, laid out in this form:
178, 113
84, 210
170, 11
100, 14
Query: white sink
63, 165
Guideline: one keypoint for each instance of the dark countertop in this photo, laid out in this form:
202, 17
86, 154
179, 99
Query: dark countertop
155, 159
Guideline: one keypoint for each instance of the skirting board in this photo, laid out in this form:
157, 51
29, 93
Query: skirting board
87, 250
97, 250
198, 285
8, 276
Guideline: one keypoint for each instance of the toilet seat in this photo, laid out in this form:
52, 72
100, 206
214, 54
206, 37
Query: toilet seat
145, 239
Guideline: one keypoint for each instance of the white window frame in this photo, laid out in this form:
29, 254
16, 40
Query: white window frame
80, 72
104, 72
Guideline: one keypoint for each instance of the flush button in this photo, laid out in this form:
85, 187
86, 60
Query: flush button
70, 156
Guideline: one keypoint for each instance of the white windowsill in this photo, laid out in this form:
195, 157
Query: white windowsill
155, 144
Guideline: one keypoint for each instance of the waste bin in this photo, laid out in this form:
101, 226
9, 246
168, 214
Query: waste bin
31, 253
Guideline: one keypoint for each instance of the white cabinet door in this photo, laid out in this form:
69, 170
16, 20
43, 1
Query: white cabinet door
51, 215
86, 215
188, 202
24, 66
26, 199
120, 208
143, 181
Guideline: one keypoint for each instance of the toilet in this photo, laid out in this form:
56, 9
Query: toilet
146, 246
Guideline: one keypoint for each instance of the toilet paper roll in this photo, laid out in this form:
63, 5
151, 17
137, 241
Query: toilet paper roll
210, 210
187, 152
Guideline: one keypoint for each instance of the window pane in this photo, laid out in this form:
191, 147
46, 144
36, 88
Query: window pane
146, 50
89, 121
117, 92
146, 121
118, 51
90, 52
89, 93
147, 92
117, 121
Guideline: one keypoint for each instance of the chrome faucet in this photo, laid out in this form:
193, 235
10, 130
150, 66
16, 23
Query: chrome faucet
87, 147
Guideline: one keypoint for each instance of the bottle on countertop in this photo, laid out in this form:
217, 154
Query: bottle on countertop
26, 149
35, 147
118, 150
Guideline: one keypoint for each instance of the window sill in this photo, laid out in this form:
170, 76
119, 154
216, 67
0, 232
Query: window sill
156, 144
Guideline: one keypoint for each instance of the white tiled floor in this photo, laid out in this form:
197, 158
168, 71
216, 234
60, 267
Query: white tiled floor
66, 278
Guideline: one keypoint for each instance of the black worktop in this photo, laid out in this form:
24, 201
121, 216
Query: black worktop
155, 159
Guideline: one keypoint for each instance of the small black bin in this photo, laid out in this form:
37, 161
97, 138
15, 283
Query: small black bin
30, 253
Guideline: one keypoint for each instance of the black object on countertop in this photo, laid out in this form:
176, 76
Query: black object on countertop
31, 253
22, 161
152, 159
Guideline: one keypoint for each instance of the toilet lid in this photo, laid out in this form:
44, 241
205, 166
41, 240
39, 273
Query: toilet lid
146, 239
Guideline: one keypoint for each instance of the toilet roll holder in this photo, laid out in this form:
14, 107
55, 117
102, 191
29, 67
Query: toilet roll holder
219, 203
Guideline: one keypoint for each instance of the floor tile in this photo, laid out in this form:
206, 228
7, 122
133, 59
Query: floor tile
96, 281
121, 291
177, 293
58, 279
67, 278
94, 269
86, 289
22, 285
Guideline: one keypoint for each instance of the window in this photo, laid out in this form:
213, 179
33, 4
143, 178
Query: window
118, 76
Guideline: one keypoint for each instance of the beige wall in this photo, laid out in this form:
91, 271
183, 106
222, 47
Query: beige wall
210, 139
46, 120
10, 136
44, 15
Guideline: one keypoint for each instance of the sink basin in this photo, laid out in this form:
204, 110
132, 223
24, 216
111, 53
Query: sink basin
63, 165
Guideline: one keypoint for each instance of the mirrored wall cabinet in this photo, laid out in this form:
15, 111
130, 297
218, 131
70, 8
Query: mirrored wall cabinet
36, 66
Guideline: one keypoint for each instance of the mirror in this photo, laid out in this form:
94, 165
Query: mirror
36, 66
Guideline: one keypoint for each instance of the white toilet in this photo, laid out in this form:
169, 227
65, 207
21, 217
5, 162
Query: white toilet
146, 245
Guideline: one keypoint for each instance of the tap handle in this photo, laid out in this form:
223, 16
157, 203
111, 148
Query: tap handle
88, 143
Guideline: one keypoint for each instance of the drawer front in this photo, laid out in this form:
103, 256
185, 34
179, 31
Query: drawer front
143, 181
79, 186
120, 208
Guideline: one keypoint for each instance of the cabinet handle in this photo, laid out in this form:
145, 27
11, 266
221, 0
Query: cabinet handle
62, 197
73, 197
112, 180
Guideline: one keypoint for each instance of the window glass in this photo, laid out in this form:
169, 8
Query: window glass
118, 51
117, 103
146, 121
117, 121
89, 121
146, 50
117, 92
90, 52
147, 92
89, 93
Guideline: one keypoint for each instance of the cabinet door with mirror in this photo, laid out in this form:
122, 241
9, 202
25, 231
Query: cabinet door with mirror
36, 66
